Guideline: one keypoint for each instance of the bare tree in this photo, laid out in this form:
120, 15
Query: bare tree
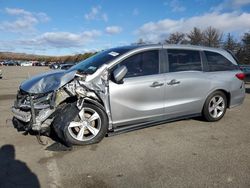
212, 37
176, 38
195, 37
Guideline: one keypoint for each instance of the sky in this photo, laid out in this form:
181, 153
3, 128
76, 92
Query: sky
68, 27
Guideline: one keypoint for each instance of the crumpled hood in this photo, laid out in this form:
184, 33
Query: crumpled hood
47, 82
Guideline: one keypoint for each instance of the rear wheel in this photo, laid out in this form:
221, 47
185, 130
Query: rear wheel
215, 106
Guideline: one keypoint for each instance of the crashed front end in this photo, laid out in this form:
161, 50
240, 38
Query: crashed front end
39, 100
31, 111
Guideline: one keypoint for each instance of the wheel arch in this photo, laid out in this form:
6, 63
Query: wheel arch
227, 94
88, 100
94, 102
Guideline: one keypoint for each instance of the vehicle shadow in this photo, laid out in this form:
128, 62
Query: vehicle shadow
248, 90
15, 173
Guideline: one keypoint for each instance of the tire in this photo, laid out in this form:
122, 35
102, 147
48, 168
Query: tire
72, 129
215, 106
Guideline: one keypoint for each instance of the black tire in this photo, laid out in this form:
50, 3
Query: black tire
208, 115
69, 113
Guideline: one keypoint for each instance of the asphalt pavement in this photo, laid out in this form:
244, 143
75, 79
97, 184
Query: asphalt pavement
187, 153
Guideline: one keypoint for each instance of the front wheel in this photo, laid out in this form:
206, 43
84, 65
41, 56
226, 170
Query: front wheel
215, 106
81, 127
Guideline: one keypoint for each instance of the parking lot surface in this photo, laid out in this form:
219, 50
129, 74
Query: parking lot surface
187, 153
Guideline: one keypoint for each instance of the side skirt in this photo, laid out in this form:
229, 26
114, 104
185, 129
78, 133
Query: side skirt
147, 124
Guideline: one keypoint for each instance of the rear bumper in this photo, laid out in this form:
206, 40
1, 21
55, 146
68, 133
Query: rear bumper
238, 96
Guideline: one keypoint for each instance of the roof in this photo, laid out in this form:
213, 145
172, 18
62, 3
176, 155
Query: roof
193, 47
138, 48
179, 46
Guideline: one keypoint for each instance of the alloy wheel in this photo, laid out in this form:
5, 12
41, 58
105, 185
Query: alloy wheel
86, 125
216, 106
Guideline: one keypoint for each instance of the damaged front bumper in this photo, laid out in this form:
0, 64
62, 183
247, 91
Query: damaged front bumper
32, 111
21, 115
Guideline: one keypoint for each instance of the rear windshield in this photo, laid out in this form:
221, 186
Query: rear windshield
91, 64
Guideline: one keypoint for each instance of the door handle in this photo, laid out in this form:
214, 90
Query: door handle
156, 84
173, 82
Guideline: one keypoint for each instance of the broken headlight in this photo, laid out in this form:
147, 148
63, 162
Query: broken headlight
40, 101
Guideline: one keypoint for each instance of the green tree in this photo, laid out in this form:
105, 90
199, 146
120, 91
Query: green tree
244, 54
231, 44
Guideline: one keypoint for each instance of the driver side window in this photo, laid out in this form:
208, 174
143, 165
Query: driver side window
142, 64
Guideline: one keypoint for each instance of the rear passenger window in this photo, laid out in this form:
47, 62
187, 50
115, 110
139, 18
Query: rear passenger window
142, 64
184, 60
217, 62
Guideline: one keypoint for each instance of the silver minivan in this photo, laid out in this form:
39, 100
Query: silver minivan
127, 88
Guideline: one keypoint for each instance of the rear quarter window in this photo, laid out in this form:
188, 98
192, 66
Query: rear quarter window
184, 60
217, 62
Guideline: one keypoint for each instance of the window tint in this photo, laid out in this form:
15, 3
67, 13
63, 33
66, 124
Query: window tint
184, 60
142, 64
217, 62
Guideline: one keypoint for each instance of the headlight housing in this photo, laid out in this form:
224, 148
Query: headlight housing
40, 101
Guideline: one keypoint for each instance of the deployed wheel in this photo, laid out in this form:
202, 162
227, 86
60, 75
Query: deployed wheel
215, 106
80, 127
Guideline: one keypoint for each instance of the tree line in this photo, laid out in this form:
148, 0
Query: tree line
212, 37
29, 57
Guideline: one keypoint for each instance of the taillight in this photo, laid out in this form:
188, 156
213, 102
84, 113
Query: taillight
240, 76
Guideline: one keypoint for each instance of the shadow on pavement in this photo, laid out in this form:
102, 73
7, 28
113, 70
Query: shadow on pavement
248, 90
15, 173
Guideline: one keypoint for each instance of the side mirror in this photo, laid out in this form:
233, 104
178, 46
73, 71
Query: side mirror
120, 73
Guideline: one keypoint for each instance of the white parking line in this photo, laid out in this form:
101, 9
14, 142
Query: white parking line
53, 172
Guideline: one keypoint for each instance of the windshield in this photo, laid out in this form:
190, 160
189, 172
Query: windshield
91, 64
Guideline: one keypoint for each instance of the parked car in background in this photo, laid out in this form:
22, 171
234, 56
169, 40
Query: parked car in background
246, 70
11, 63
26, 63
66, 66
127, 88
37, 63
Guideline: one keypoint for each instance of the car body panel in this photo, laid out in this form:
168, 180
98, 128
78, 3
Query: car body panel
136, 99
47, 82
228, 82
188, 96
